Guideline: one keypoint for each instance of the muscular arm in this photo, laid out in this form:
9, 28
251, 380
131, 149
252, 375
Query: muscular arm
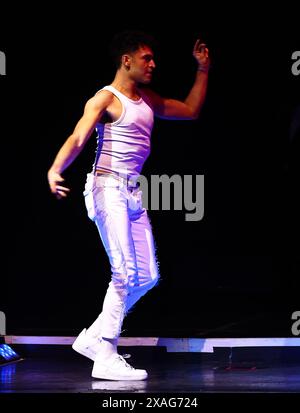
93, 111
191, 106
181, 110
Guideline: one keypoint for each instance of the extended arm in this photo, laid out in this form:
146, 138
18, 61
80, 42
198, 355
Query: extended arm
191, 106
72, 147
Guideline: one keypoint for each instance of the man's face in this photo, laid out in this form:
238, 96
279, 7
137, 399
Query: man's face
141, 65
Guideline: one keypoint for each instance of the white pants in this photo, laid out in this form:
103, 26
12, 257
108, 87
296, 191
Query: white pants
126, 234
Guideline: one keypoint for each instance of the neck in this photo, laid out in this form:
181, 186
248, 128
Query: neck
125, 85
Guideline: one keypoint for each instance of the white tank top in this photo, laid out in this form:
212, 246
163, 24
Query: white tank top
124, 145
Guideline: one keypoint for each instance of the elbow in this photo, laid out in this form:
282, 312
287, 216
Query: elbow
194, 116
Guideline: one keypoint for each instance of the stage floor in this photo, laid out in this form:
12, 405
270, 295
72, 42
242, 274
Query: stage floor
58, 369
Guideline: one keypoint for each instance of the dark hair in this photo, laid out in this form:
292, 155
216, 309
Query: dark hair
128, 41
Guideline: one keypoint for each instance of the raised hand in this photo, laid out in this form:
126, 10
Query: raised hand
201, 54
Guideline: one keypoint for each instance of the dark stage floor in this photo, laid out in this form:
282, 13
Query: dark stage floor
58, 369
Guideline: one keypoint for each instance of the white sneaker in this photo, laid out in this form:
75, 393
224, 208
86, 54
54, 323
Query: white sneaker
87, 346
128, 386
116, 368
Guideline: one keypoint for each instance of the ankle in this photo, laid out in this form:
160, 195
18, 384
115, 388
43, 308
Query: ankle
108, 348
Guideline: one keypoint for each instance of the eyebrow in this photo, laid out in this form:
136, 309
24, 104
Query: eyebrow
148, 55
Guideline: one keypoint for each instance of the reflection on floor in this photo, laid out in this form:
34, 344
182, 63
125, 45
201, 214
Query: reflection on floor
58, 369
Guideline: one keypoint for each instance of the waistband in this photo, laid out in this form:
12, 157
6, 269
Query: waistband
126, 181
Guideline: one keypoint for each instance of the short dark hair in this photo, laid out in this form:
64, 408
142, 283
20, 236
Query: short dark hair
128, 41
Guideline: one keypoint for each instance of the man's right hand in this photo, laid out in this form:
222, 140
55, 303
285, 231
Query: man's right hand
55, 179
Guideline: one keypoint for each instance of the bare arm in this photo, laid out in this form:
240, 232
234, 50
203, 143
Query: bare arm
189, 108
94, 109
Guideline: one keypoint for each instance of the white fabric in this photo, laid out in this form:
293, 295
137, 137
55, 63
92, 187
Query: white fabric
124, 145
126, 234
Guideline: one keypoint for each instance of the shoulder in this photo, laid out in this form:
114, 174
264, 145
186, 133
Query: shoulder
150, 94
103, 95
152, 97
101, 99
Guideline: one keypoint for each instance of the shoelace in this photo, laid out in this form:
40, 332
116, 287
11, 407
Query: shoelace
125, 362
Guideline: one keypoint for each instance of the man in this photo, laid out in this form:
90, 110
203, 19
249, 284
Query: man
122, 114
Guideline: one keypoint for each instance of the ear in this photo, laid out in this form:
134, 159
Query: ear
126, 59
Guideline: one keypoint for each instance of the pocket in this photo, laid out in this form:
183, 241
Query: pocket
95, 200
90, 205
89, 184
88, 194
135, 201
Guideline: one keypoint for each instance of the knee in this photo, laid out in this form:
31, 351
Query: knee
119, 282
150, 281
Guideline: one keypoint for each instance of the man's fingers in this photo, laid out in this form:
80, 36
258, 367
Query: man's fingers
60, 194
60, 191
55, 182
196, 45
62, 188
200, 47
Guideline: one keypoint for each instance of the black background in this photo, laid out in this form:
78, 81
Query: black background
234, 273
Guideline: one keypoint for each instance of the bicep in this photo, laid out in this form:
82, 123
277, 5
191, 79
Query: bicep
93, 112
166, 108
173, 109
87, 123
